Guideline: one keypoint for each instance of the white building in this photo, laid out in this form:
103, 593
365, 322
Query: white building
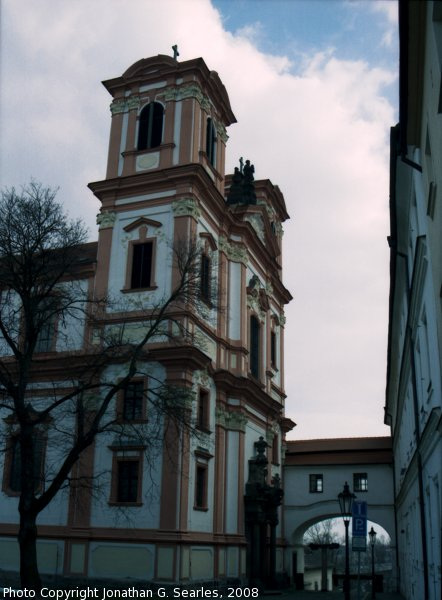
413, 397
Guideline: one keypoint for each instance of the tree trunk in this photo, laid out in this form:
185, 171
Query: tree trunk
27, 539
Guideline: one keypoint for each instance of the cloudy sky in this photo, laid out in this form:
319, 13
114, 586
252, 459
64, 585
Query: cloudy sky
313, 85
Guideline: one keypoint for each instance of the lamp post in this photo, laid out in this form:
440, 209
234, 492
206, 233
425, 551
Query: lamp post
345, 503
372, 534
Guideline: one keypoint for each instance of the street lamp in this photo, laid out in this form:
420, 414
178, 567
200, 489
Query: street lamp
345, 503
372, 534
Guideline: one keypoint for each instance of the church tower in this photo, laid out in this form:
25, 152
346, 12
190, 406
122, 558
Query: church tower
166, 182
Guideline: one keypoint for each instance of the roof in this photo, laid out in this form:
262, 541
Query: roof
339, 451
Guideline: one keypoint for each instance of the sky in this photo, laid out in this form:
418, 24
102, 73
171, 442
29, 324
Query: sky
313, 85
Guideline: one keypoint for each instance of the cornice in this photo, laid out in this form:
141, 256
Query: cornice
252, 392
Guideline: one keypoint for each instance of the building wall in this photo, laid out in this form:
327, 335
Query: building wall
414, 397
164, 195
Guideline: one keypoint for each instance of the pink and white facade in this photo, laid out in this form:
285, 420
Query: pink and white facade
166, 182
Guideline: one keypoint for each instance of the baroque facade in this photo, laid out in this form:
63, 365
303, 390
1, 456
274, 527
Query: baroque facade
413, 396
181, 519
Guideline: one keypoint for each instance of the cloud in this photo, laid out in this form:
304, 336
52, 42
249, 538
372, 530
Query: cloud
389, 10
320, 134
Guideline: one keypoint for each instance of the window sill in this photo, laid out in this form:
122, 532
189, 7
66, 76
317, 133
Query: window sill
137, 152
135, 504
11, 493
134, 290
201, 508
203, 429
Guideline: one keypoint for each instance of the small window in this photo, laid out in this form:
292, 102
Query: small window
128, 480
211, 142
205, 278
254, 346
273, 349
150, 128
141, 276
316, 484
133, 401
360, 482
201, 486
203, 410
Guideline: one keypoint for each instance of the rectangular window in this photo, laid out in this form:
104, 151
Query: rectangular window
205, 278
141, 276
360, 482
254, 346
133, 400
273, 349
128, 480
46, 336
202, 421
201, 486
275, 450
12, 467
316, 484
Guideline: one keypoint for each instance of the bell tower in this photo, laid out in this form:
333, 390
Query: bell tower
165, 183
167, 114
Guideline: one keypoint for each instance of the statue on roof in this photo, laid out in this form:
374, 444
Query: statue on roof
242, 187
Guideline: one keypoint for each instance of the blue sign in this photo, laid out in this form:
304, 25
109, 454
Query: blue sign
359, 519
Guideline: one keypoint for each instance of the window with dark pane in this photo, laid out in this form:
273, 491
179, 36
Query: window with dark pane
316, 484
127, 489
275, 450
150, 127
201, 486
203, 410
273, 348
211, 141
205, 278
254, 346
360, 482
142, 265
15, 468
46, 335
133, 401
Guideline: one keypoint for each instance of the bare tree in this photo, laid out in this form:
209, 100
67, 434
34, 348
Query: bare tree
41, 253
322, 532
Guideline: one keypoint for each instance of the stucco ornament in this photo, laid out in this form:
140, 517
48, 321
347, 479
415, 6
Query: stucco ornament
258, 225
282, 319
202, 378
106, 219
257, 298
118, 106
222, 132
234, 421
191, 90
186, 207
234, 252
133, 103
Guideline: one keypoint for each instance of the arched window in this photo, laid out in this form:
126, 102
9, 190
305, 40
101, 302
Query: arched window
211, 141
254, 346
150, 127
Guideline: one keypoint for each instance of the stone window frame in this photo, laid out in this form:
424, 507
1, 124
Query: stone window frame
126, 454
121, 399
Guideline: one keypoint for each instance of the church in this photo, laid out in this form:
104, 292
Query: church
209, 507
